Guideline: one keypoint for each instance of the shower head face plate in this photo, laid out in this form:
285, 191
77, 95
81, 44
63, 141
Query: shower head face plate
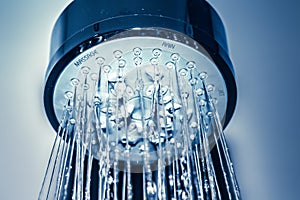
139, 86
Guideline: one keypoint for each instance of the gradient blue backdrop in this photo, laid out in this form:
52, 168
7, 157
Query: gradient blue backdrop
264, 134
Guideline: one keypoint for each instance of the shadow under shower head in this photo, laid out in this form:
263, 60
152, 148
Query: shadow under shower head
139, 92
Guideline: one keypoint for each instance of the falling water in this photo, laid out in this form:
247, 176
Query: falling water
139, 128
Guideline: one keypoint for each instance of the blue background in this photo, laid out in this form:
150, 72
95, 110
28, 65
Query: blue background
263, 135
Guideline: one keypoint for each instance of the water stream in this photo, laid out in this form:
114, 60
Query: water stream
151, 132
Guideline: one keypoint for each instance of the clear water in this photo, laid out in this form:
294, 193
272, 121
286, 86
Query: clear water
150, 133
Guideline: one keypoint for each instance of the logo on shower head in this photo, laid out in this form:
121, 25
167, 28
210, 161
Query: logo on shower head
84, 58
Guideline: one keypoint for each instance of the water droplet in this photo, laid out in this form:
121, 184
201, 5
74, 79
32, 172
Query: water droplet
203, 75
86, 86
202, 102
191, 64
110, 180
106, 68
199, 91
156, 52
94, 141
72, 121
193, 125
170, 65
193, 81
183, 72
137, 61
122, 63
192, 136
171, 180
184, 195
100, 61
210, 87
85, 70
184, 95
75, 81
118, 53
175, 57
137, 51
172, 140
68, 95
209, 114
151, 190
113, 144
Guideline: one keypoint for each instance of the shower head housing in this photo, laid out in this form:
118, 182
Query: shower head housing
88, 32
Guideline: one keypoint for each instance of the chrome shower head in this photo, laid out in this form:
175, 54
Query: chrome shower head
190, 28
140, 87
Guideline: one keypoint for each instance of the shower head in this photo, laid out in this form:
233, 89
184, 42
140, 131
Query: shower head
88, 32
139, 92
